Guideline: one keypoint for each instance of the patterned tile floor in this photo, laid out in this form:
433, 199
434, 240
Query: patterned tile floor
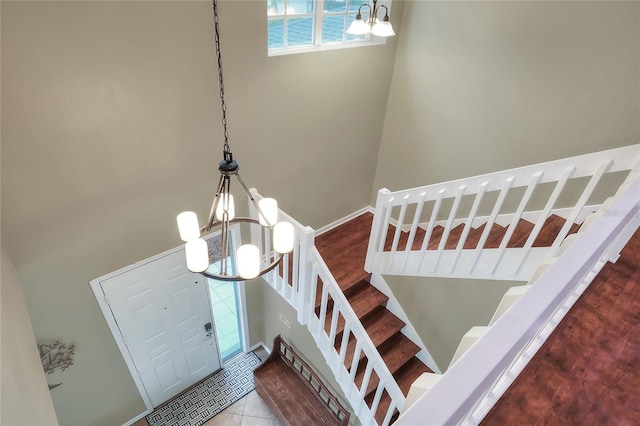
248, 411
251, 410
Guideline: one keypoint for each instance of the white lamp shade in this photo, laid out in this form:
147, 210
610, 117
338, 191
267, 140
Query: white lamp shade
358, 27
197, 255
188, 226
283, 237
224, 205
383, 29
269, 209
248, 261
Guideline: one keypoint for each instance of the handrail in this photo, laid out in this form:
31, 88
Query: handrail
468, 390
364, 347
460, 202
297, 281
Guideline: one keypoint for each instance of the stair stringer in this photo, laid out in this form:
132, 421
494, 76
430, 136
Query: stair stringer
408, 330
467, 263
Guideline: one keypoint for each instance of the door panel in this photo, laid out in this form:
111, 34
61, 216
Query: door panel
161, 309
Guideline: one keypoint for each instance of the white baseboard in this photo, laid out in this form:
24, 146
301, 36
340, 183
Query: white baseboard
345, 219
258, 345
138, 417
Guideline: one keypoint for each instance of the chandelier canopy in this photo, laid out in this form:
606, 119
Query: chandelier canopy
216, 262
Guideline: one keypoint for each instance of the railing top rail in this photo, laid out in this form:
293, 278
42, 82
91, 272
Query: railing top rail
357, 327
623, 158
465, 383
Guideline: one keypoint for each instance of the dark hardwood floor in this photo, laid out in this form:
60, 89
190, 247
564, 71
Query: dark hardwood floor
588, 371
344, 250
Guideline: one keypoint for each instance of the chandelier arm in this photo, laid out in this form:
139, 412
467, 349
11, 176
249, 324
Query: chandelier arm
226, 189
360, 9
214, 206
254, 202
386, 10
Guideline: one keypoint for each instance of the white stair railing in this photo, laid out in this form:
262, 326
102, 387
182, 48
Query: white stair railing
532, 193
297, 280
470, 388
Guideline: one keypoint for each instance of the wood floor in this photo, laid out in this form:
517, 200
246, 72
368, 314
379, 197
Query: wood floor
588, 371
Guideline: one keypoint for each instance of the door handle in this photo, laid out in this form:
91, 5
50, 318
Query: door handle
208, 330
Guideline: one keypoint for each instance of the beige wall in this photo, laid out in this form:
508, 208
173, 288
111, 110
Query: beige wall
111, 126
485, 86
443, 310
25, 398
481, 86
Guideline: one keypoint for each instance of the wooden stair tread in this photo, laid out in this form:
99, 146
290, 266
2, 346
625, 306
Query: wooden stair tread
380, 326
550, 230
363, 301
520, 234
523, 229
405, 378
395, 352
454, 237
354, 281
474, 237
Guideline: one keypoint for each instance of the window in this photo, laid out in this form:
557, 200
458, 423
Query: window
305, 25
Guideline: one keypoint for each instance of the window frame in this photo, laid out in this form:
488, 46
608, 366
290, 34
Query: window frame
317, 22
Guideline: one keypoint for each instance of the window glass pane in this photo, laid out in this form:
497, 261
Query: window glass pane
335, 5
355, 4
332, 29
299, 31
296, 7
275, 7
276, 33
351, 37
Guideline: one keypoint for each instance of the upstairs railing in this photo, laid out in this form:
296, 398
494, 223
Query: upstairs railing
470, 388
302, 278
563, 187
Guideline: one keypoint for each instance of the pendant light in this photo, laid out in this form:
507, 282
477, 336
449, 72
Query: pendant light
247, 262
372, 25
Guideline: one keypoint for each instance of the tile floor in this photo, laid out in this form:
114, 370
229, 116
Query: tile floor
251, 410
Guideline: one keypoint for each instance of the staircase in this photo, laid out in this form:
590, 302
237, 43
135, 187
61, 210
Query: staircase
344, 250
499, 226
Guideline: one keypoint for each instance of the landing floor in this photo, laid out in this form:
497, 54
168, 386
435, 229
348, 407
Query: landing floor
588, 371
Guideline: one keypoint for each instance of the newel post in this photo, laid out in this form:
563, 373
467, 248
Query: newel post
376, 229
307, 242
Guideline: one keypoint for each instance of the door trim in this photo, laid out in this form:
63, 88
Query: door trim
96, 287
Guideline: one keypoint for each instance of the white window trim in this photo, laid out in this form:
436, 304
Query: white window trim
319, 7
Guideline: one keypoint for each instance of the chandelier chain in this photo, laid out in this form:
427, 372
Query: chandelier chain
223, 104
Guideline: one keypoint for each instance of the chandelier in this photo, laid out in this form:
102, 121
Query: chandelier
373, 25
215, 262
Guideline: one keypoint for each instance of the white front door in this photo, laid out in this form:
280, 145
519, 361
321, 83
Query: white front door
163, 313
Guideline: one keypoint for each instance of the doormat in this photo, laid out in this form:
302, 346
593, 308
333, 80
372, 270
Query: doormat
209, 397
